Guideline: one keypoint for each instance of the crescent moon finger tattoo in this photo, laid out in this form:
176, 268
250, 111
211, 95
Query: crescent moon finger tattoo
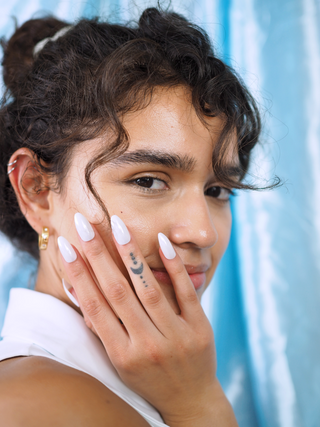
138, 270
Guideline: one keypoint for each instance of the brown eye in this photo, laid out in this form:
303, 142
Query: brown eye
149, 182
144, 182
217, 192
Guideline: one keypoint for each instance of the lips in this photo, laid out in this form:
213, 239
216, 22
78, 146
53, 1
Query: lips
198, 279
196, 274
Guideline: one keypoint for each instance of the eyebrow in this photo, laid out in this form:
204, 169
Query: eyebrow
174, 161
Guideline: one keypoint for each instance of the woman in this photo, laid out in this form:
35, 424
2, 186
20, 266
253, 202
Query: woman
116, 141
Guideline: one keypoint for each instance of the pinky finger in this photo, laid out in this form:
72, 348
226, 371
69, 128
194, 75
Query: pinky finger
96, 310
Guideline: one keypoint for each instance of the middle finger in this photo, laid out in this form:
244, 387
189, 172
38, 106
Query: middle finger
146, 286
111, 281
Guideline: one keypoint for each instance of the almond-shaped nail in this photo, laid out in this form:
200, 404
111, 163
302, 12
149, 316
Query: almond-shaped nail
119, 230
166, 246
66, 250
66, 288
83, 227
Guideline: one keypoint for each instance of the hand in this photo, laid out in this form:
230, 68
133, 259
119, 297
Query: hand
166, 358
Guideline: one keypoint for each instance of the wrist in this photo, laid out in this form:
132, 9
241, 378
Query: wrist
210, 410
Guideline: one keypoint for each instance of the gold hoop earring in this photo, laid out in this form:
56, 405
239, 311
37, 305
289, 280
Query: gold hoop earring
43, 239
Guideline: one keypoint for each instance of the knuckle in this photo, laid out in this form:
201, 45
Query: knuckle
154, 354
186, 345
121, 362
77, 273
128, 365
152, 296
117, 292
205, 339
94, 250
191, 297
92, 308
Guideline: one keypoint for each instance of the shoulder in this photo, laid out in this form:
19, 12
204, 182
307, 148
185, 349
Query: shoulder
37, 391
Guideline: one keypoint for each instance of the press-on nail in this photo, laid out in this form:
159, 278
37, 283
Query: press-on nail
66, 288
66, 250
83, 227
166, 246
119, 230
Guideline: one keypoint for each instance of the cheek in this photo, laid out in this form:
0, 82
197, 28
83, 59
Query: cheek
140, 216
144, 228
140, 221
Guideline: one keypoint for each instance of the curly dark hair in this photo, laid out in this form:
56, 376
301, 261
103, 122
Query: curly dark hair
82, 84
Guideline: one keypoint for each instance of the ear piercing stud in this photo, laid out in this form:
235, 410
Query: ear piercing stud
11, 164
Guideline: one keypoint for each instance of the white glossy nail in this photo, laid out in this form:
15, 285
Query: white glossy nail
120, 230
66, 288
166, 246
83, 227
66, 250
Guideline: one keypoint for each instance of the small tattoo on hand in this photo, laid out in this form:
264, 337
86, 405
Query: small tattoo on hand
138, 270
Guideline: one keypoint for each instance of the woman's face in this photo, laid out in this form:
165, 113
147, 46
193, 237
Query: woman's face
163, 183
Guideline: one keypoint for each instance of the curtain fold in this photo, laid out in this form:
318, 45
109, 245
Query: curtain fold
275, 46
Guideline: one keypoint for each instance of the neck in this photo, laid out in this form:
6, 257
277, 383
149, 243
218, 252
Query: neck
50, 275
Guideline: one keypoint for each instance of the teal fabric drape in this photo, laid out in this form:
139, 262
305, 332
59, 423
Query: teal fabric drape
264, 302
275, 247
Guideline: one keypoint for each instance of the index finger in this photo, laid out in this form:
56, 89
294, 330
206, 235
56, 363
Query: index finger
148, 289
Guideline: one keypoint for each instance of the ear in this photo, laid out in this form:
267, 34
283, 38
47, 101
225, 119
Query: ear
31, 187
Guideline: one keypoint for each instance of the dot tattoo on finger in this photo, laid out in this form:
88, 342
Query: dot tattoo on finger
138, 270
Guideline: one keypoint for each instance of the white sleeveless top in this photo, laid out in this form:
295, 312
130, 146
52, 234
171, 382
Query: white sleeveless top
38, 324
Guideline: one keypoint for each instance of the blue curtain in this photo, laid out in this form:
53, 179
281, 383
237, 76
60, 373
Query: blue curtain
264, 302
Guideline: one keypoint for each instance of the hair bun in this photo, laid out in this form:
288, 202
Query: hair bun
18, 51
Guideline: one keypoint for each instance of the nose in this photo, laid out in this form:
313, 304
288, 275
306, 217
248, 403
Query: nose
192, 224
